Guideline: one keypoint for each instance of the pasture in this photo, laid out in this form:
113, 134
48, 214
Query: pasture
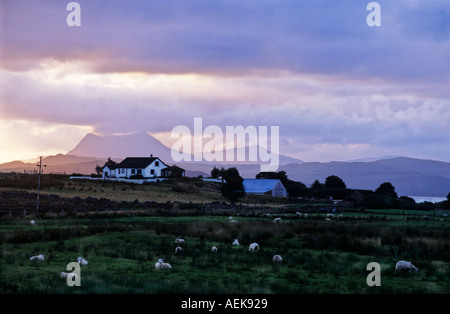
318, 257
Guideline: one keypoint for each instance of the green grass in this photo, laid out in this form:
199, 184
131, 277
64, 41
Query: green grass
318, 257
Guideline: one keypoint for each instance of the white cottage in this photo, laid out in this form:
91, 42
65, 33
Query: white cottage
147, 167
272, 187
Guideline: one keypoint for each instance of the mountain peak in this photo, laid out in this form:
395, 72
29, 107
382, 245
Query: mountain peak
121, 146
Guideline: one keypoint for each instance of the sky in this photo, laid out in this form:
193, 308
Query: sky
337, 88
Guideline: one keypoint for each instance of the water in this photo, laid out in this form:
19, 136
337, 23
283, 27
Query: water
432, 199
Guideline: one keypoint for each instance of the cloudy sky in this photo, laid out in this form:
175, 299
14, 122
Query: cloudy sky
337, 88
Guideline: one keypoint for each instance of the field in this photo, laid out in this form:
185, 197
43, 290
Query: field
123, 244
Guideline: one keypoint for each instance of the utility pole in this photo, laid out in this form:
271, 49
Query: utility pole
39, 183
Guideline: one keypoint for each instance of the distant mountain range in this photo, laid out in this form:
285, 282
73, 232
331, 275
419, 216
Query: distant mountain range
412, 177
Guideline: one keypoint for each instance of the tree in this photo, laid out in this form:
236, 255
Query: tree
233, 188
316, 185
110, 163
215, 172
387, 189
280, 175
334, 182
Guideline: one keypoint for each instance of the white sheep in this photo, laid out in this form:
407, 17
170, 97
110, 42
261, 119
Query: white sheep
233, 221
328, 220
405, 265
32, 223
39, 257
81, 261
230, 218
277, 259
72, 275
254, 246
179, 240
277, 219
214, 249
161, 265
298, 213
236, 242
178, 249
330, 215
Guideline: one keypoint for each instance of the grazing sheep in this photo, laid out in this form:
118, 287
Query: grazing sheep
330, 215
179, 240
328, 220
254, 246
161, 265
178, 249
32, 223
65, 275
405, 265
39, 257
230, 218
298, 213
233, 221
277, 259
277, 219
236, 242
82, 261
214, 249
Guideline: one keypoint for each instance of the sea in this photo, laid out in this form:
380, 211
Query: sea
432, 199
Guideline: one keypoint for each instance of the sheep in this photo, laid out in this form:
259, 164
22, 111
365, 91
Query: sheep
233, 221
405, 265
254, 246
161, 265
178, 249
179, 240
214, 249
298, 213
236, 242
65, 275
230, 218
32, 223
39, 257
330, 215
81, 261
277, 259
328, 220
277, 219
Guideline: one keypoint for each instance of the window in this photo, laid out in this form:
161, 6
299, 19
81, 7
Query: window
156, 163
152, 171
133, 171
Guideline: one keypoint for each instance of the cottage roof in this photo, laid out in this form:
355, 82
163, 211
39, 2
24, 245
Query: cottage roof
260, 185
137, 162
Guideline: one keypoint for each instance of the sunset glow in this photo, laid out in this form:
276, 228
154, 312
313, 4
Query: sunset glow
338, 89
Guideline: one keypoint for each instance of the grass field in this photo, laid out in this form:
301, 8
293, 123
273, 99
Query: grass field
318, 257
123, 244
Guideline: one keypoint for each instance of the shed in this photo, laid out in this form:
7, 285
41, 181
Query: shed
272, 187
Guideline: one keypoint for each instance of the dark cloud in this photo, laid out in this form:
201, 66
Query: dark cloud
233, 37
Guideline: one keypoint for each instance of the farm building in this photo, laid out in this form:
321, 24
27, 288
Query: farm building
272, 187
144, 167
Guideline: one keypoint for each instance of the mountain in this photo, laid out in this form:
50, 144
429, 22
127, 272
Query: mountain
413, 177
121, 146
369, 159
143, 144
